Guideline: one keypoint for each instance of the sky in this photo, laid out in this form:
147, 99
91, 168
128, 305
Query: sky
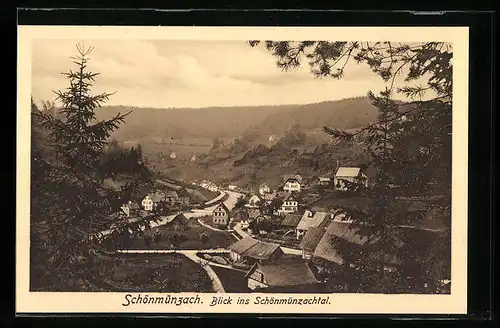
171, 73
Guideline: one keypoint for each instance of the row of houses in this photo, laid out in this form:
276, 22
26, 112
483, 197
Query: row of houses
341, 179
325, 237
151, 201
290, 201
344, 177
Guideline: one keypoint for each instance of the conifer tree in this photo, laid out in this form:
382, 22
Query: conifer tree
70, 206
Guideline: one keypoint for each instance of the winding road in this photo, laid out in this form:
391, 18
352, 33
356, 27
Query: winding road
230, 202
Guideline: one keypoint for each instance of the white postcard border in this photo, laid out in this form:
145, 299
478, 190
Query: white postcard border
48, 302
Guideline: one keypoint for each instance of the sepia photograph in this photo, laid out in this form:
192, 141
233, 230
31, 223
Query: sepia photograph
161, 167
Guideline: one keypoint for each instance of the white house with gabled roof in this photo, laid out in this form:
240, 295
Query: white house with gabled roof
346, 175
292, 183
290, 205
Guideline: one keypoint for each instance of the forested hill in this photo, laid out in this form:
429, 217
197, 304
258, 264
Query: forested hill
228, 122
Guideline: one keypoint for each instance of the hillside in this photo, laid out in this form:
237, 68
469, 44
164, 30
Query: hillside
261, 163
177, 123
247, 155
342, 114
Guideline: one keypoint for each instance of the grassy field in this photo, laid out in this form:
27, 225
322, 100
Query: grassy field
209, 195
158, 273
192, 233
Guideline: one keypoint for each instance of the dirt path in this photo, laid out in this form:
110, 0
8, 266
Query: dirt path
222, 194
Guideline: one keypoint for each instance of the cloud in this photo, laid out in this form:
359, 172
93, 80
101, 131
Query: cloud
191, 74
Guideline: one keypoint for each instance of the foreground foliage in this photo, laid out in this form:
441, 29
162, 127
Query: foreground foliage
410, 146
70, 206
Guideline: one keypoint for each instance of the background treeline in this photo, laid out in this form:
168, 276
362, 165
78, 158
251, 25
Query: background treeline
119, 159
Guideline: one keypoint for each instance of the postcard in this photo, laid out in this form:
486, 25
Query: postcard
266, 170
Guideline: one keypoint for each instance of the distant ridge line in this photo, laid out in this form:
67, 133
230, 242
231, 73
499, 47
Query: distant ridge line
233, 106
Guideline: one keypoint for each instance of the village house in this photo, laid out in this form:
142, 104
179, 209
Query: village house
221, 215
311, 219
171, 197
125, 210
310, 241
291, 221
292, 183
232, 187
173, 156
251, 251
212, 187
290, 205
257, 220
254, 201
193, 158
324, 181
261, 218
179, 220
147, 203
349, 175
281, 275
355, 238
264, 189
